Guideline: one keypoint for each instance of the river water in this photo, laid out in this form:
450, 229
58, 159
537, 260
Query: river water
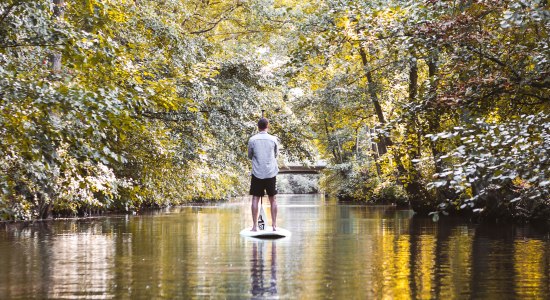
335, 252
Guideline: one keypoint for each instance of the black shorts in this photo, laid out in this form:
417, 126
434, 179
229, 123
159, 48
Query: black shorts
258, 186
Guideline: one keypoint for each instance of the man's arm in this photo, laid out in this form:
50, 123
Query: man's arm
250, 150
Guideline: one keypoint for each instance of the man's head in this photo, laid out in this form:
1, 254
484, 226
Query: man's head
263, 123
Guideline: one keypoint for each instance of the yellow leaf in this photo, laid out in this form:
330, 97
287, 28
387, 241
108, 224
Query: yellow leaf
342, 22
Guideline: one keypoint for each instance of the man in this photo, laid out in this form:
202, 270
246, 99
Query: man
262, 150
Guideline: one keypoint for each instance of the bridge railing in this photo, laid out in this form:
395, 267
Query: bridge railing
298, 169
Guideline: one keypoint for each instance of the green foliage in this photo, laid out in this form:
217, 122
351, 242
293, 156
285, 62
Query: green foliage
349, 182
412, 72
298, 184
152, 102
499, 168
150, 105
391, 193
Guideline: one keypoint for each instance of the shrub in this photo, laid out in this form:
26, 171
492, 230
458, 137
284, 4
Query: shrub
500, 169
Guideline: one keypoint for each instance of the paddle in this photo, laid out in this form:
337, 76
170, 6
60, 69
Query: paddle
261, 217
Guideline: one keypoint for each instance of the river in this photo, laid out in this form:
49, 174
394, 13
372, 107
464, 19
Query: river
336, 251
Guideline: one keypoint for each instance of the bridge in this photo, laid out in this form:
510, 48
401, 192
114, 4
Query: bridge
300, 169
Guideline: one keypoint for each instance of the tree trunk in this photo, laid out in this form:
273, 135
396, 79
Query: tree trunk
327, 132
371, 89
415, 190
413, 79
386, 141
433, 119
374, 149
55, 57
48, 193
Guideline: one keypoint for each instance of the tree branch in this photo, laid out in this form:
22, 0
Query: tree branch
167, 117
542, 98
29, 45
8, 11
223, 17
239, 32
495, 60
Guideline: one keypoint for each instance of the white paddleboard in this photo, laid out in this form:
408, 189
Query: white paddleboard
266, 234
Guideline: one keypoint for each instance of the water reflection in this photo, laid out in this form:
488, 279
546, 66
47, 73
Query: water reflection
261, 286
335, 251
80, 262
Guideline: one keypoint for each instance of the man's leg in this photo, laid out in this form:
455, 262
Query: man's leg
273, 203
254, 208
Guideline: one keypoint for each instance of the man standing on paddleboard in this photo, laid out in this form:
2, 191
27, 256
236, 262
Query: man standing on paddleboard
262, 150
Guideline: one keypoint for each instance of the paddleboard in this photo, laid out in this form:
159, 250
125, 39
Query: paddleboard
263, 232
266, 234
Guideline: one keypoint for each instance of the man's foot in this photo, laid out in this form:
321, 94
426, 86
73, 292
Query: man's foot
254, 229
274, 228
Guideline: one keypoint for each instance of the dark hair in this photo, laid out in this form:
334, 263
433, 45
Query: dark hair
262, 123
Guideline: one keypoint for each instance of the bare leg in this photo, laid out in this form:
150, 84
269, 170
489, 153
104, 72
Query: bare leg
254, 208
273, 203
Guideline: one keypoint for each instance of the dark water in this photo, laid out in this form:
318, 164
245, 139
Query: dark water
336, 252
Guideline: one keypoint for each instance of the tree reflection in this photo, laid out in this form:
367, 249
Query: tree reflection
353, 252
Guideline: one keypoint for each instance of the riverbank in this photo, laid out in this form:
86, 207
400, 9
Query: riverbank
495, 212
94, 214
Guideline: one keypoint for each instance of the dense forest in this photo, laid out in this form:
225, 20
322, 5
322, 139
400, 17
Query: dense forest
119, 105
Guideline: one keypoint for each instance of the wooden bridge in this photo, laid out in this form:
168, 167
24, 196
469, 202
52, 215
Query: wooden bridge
299, 169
